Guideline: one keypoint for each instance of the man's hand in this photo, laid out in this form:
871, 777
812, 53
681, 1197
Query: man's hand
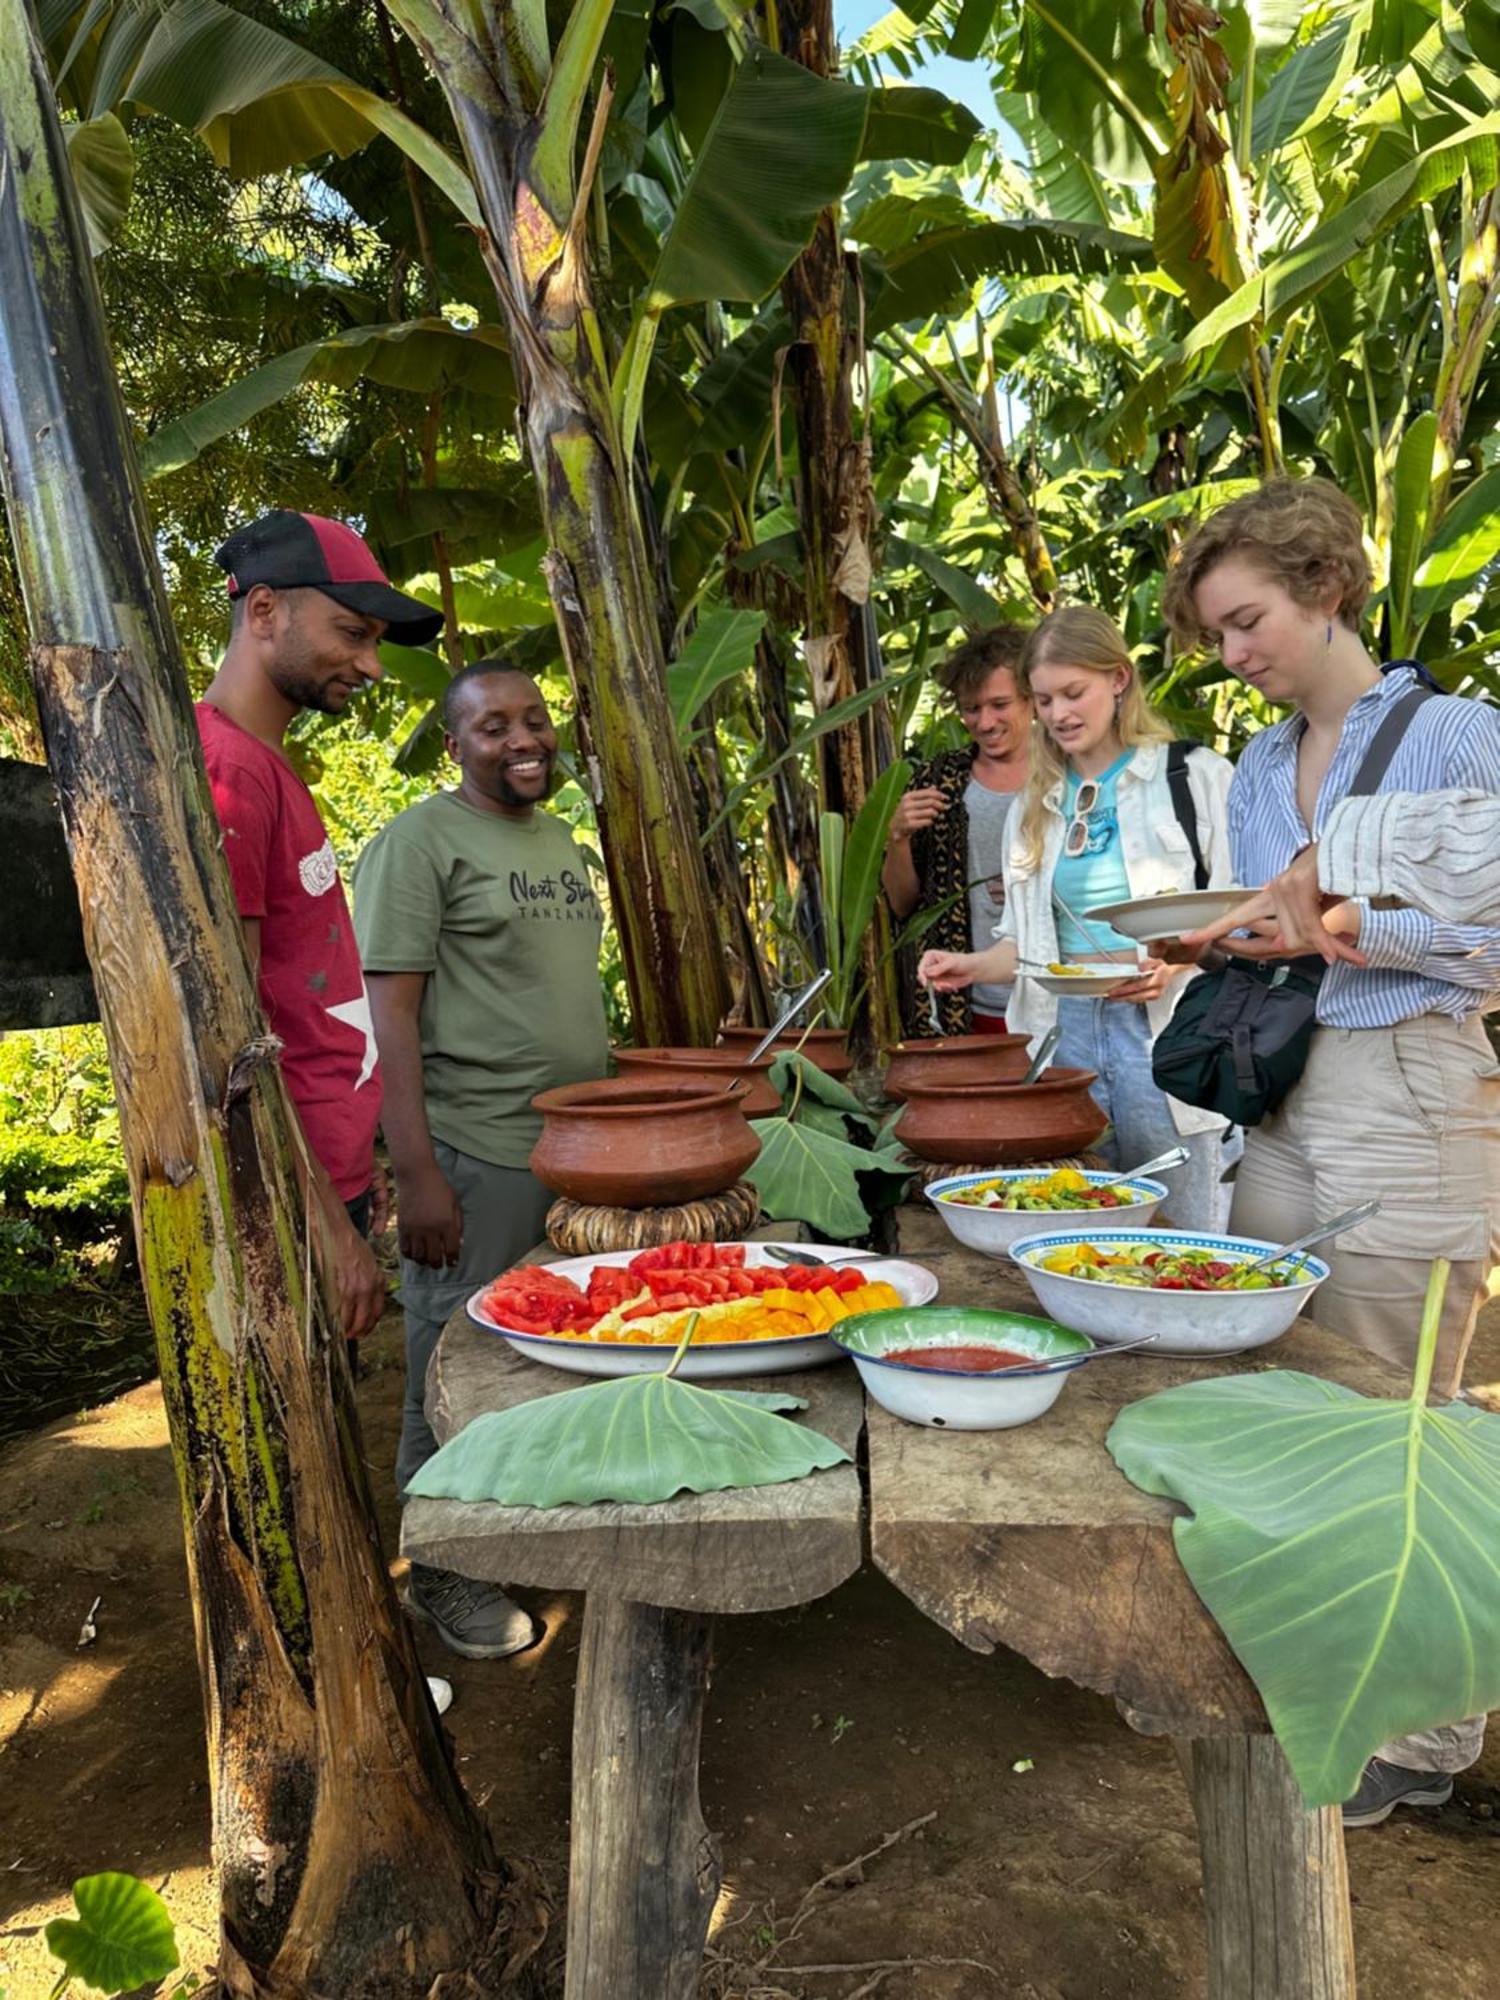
358, 1280
1290, 917
1153, 977
916, 810
430, 1220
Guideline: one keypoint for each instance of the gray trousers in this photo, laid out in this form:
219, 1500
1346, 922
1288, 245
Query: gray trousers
505, 1209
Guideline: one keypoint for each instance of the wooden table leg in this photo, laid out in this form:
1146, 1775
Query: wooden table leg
643, 1868
1275, 1887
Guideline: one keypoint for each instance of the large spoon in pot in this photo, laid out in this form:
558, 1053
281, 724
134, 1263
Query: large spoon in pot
1321, 1234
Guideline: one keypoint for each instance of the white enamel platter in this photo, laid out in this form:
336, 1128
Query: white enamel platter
915, 1283
1083, 985
1146, 918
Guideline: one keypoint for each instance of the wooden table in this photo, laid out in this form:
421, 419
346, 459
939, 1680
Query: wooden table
1034, 1540
643, 1867
1030, 1539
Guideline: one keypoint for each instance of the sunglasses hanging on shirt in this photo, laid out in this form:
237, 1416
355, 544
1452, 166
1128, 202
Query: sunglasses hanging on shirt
1076, 839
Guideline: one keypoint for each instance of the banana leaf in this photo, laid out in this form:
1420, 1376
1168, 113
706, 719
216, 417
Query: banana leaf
806, 1175
641, 1438
1348, 1548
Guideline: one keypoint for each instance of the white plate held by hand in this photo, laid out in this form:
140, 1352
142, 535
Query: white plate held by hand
1146, 918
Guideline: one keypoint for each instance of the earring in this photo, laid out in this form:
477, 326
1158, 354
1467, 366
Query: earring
1328, 633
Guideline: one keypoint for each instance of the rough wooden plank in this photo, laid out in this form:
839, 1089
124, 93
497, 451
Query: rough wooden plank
756, 1550
1033, 1539
644, 1870
1275, 1885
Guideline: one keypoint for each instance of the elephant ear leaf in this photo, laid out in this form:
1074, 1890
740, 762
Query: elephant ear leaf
642, 1438
121, 1938
1348, 1548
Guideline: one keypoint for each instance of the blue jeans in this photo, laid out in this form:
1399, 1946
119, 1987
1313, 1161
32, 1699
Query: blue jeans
1112, 1038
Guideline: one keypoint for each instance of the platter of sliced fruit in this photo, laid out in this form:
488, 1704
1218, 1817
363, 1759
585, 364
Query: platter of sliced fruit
623, 1312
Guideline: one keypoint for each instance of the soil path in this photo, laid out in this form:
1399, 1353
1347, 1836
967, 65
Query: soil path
828, 1729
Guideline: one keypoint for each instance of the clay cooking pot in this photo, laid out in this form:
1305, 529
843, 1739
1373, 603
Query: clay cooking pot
955, 1059
824, 1046
706, 1067
998, 1124
630, 1142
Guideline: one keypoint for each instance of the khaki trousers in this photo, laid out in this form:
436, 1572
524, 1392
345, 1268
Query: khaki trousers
1411, 1114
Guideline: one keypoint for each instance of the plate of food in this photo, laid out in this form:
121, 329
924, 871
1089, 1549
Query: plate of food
1083, 982
623, 1312
1189, 1290
989, 1211
1146, 918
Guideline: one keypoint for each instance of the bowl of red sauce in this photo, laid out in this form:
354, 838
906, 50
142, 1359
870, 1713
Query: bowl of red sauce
958, 1368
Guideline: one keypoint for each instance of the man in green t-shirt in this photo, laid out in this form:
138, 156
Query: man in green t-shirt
479, 932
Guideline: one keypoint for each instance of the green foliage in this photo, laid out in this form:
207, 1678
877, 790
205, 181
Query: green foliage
1346, 1547
639, 1438
823, 1161
121, 1938
62, 1175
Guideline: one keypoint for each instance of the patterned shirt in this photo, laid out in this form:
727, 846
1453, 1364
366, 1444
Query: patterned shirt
1417, 963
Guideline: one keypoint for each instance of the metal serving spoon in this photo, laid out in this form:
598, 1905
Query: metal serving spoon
785, 1256
1161, 1164
1101, 1353
1319, 1235
1043, 1055
789, 1013
934, 1012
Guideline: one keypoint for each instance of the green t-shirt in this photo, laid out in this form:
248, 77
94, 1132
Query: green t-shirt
502, 916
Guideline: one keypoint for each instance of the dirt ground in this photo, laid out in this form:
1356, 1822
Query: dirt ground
829, 1729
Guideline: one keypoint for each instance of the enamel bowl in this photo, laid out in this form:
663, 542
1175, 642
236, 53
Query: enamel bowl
947, 1401
1201, 1323
992, 1231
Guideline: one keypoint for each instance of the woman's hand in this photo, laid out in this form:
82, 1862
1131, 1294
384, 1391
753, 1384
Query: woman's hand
1153, 977
1287, 918
916, 810
947, 970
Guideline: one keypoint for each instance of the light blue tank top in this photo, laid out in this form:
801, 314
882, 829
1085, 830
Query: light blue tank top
1097, 875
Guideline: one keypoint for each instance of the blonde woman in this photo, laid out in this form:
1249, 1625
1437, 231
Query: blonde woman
1096, 824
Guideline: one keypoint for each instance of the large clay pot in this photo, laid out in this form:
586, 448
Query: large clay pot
711, 1067
629, 1142
953, 1059
824, 1046
999, 1124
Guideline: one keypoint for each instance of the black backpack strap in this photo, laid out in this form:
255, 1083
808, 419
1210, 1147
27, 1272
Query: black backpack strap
1182, 806
1385, 743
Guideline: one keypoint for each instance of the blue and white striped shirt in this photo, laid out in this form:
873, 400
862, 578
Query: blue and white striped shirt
1417, 964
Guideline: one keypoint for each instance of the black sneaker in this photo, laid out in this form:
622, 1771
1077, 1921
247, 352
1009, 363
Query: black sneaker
472, 1618
1384, 1786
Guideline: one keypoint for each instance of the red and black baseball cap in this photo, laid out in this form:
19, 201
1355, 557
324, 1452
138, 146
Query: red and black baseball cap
306, 552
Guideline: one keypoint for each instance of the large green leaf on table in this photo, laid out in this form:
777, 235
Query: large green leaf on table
1413, 486
1466, 542
121, 1938
103, 163
1348, 1549
938, 267
791, 1065
722, 647
639, 1439
1303, 271
804, 1175
973, 603
903, 123
1304, 87
420, 354
782, 146
261, 102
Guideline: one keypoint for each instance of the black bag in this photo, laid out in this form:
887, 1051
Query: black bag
1239, 1038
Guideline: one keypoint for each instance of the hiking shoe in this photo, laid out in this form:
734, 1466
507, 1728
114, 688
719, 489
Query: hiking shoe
472, 1618
1384, 1786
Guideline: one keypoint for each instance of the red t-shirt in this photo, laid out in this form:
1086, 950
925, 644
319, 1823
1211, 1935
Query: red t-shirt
311, 986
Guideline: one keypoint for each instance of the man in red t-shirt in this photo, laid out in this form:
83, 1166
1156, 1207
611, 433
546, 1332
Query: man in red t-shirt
310, 604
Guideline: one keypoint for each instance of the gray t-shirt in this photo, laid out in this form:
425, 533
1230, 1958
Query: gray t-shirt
989, 820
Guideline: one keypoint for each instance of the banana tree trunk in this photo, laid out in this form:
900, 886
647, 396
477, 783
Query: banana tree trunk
349, 1860
836, 509
516, 110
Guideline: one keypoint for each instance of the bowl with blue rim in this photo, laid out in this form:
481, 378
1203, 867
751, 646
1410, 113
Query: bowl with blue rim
961, 1368
982, 1210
